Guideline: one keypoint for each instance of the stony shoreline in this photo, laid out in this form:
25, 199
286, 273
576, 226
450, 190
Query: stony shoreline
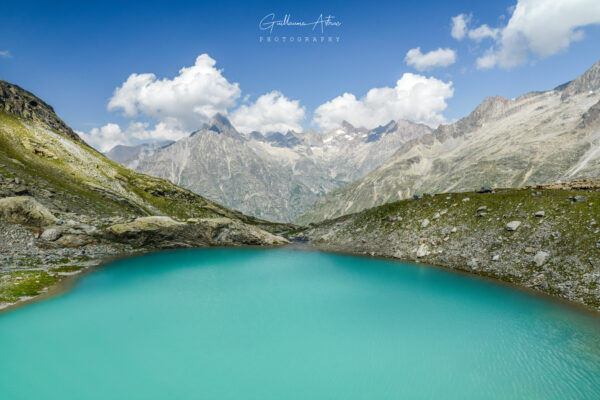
544, 239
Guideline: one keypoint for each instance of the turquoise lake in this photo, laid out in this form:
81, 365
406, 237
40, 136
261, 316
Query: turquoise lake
287, 324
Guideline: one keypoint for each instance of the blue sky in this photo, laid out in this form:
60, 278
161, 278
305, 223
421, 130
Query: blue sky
75, 54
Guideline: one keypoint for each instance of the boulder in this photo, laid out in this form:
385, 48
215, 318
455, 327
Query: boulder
540, 258
74, 240
513, 225
540, 214
425, 223
164, 232
422, 251
578, 199
25, 210
51, 234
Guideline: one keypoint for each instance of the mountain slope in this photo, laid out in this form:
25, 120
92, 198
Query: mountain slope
540, 137
64, 207
274, 176
65, 173
130, 156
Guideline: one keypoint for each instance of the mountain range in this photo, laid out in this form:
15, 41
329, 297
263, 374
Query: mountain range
274, 176
539, 137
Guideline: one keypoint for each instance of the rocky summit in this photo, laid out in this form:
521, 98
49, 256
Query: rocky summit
537, 138
65, 207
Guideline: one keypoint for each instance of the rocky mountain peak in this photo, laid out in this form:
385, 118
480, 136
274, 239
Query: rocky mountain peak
382, 130
589, 81
347, 126
21, 103
221, 125
490, 108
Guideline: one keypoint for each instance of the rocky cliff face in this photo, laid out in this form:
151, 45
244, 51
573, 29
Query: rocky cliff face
20, 103
540, 137
544, 238
275, 176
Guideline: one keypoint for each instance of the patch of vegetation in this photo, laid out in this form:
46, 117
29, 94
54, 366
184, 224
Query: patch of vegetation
68, 268
63, 260
23, 284
29, 261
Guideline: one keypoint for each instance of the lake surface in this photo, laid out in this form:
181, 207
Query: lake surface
285, 324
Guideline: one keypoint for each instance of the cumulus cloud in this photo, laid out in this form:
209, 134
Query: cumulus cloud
483, 32
435, 58
104, 138
272, 112
415, 97
542, 28
110, 135
191, 98
459, 26
171, 108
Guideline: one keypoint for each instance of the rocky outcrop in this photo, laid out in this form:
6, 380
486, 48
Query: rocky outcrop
27, 211
538, 238
588, 82
19, 102
164, 232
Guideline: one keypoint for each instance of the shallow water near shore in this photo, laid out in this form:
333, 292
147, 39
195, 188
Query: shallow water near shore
284, 324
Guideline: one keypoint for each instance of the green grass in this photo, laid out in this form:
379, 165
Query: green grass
30, 284
68, 268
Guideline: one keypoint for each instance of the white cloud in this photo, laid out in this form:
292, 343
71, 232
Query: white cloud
435, 58
542, 28
5, 54
488, 60
184, 103
459, 26
482, 32
110, 135
104, 138
192, 97
415, 97
272, 112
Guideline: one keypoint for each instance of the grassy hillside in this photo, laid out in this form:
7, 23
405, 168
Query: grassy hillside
82, 180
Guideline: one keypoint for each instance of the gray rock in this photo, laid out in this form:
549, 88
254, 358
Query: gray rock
21, 190
540, 258
422, 251
51, 234
540, 214
513, 225
578, 198
25, 210
425, 223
